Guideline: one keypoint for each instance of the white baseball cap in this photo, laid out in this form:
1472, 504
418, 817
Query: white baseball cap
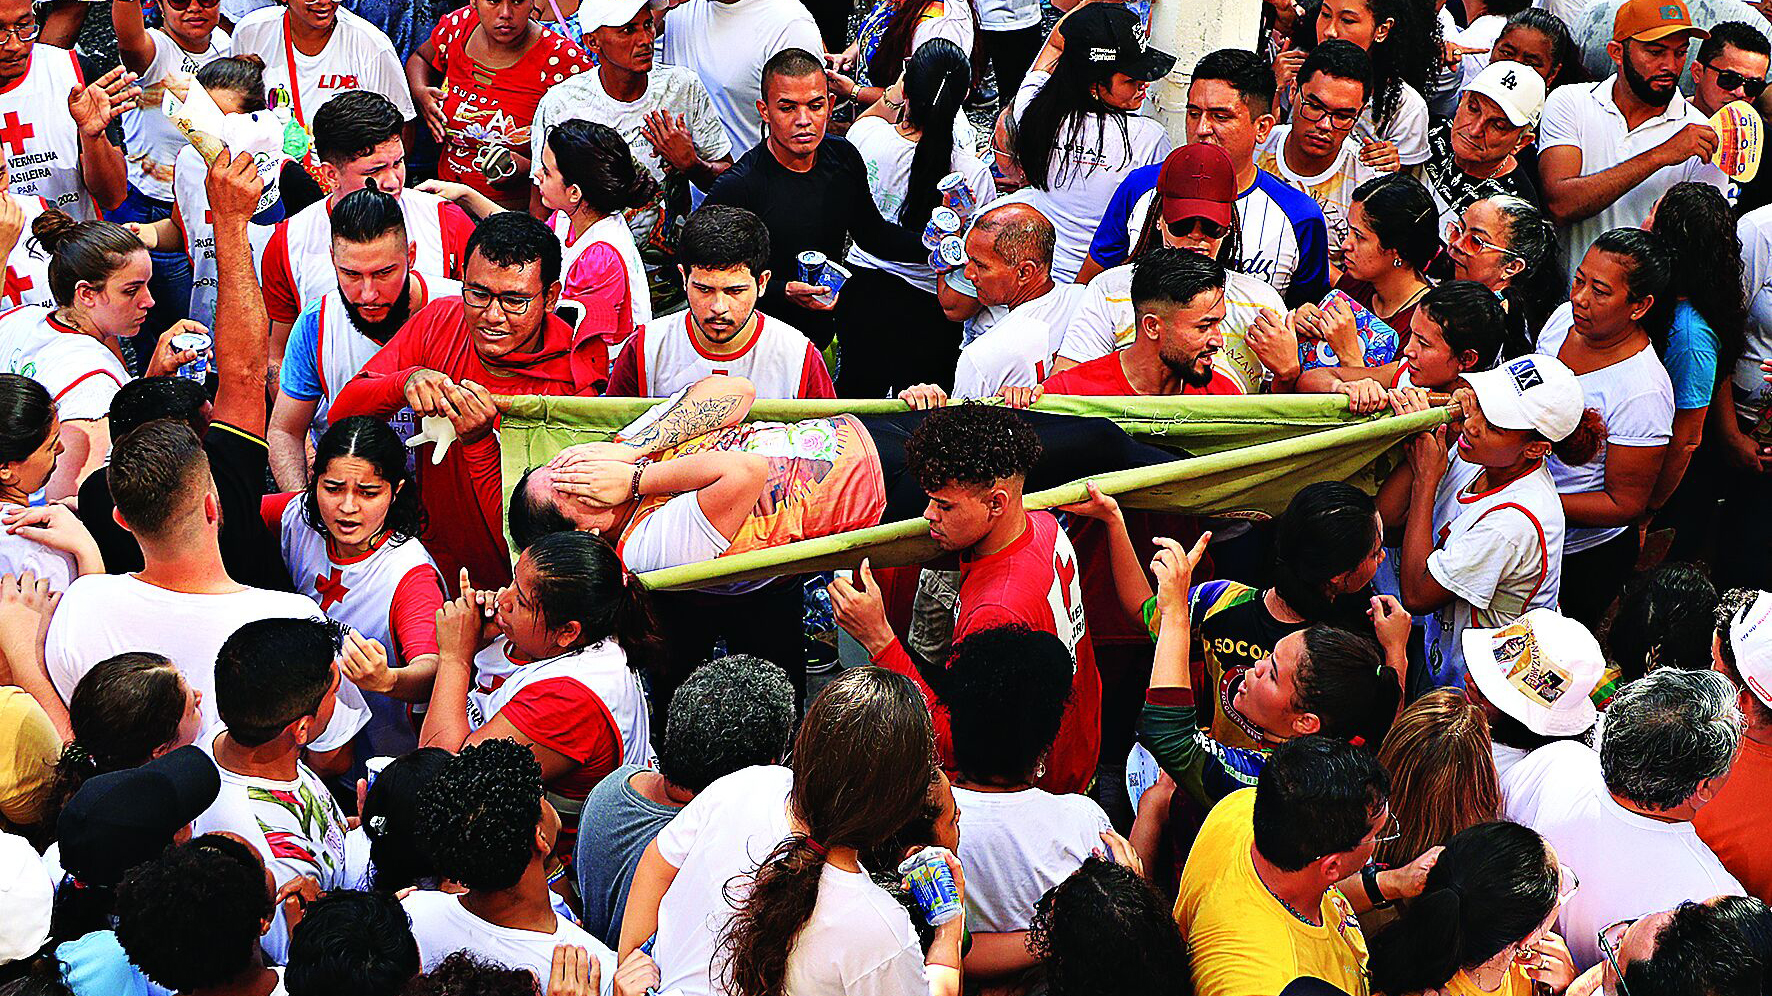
1533, 392
1541, 669
1750, 636
594, 14
26, 897
1517, 88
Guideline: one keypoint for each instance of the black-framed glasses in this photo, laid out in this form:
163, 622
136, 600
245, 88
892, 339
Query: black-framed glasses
480, 298
25, 31
1313, 110
1611, 936
1729, 79
1205, 226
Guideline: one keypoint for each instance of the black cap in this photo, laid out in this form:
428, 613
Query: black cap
1111, 36
120, 819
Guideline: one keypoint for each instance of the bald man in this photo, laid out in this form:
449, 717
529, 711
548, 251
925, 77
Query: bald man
1009, 261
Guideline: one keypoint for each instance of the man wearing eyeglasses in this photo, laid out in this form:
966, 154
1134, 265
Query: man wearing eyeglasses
52, 123
502, 335
1317, 152
1476, 154
1708, 948
1260, 903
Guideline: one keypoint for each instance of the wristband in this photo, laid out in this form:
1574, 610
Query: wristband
639, 470
1369, 879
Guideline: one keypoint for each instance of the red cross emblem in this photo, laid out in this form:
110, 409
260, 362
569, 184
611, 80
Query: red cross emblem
15, 286
331, 588
15, 132
208, 217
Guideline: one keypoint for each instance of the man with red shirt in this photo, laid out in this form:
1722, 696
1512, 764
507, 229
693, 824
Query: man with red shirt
500, 334
357, 139
1178, 304
1015, 566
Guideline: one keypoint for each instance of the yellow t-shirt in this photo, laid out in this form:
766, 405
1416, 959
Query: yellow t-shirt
1514, 983
1242, 941
29, 748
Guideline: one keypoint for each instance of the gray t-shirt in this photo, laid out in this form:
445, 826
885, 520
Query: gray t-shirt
617, 824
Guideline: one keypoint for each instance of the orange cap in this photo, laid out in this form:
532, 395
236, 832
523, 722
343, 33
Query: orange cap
1650, 20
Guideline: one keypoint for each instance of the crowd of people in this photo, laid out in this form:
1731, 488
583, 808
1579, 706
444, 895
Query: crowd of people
301, 693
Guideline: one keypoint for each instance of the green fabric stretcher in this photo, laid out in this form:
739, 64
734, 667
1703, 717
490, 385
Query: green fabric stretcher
1249, 456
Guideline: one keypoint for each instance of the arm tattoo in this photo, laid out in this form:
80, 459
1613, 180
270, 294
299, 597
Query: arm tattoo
686, 421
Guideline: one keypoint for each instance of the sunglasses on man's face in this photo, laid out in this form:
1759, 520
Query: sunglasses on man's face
182, 4
1729, 81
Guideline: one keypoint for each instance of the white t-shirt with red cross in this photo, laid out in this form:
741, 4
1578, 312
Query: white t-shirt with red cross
27, 268
357, 57
42, 142
298, 261
77, 370
390, 594
664, 357
587, 704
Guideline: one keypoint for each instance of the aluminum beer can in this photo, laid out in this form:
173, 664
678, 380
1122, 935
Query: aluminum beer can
812, 263
956, 194
932, 885
942, 222
949, 255
197, 369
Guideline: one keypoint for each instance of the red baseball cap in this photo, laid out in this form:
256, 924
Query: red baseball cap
1197, 181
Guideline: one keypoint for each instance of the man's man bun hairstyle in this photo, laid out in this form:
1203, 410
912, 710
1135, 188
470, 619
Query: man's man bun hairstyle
366, 215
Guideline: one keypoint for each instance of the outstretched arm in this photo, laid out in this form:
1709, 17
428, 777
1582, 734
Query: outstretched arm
242, 328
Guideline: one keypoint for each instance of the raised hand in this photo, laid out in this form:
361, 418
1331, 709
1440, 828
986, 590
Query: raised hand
103, 101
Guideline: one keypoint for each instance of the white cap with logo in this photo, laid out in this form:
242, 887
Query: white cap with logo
1534, 391
1750, 637
1516, 87
1541, 669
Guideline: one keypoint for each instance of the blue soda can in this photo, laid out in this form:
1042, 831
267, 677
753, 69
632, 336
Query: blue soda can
956, 194
812, 263
932, 885
197, 369
942, 223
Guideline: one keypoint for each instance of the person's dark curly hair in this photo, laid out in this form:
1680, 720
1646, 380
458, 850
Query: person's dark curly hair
1005, 690
970, 444
352, 943
191, 918
465, 974
730, 713
1105, 930
478, 816
374, 442
1666, 618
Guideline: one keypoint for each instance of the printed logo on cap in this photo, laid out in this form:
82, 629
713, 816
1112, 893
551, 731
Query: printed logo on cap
1100, 53
1510, 80
1525, 374
1673, 12
1516, 651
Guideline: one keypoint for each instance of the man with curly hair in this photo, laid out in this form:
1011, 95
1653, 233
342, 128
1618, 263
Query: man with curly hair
191, 919
485, 823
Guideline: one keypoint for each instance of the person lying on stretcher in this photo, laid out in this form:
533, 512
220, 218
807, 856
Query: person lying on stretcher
690, 480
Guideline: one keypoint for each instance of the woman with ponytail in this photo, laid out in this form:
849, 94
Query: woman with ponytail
350, 542
98, 274
126, 711
1482, 924
563, 675
1482, 528
893, 331
589, 180
756, 888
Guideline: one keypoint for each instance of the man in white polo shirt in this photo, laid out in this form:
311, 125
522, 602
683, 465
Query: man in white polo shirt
1610, 149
